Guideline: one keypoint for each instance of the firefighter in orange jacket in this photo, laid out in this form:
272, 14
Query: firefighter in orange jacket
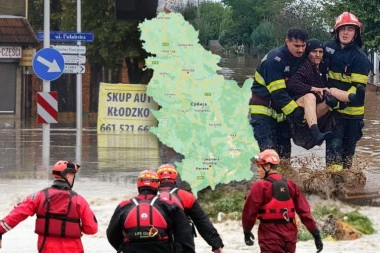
62, 214
189, 204
275, 201
147, 223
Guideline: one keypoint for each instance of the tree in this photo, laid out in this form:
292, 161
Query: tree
264, 38
307, 15
248, 14
209, 20
114, 40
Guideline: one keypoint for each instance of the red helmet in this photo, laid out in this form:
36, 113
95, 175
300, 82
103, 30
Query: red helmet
61, 168
167, 171
347, 18
148, 178
267, 156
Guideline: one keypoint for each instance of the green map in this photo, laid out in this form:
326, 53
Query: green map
202, 116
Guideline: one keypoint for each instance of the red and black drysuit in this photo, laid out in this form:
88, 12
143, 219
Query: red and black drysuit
60, 224
128, 233
189, 204
275, 235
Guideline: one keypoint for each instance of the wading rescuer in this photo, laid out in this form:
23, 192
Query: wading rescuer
275, 201
62, 214
348, 71
188, 203
146, 223
271, 103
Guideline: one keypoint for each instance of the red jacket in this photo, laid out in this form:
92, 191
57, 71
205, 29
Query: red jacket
261, 193
29, 206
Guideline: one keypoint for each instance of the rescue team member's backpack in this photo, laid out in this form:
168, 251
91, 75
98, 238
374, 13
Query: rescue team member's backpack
280, 209
145, 222
172, 196
57, 215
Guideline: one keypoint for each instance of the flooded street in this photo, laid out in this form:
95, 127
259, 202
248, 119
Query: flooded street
110, 163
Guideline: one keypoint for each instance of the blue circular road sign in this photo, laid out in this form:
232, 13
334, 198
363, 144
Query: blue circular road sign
48, 64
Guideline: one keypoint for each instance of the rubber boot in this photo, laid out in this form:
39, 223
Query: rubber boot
331, 100
358, 97
318, 136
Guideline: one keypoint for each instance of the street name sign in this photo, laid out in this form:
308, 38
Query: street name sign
67, 36
48, 64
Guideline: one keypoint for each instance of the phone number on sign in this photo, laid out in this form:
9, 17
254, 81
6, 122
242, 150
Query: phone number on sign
123, 128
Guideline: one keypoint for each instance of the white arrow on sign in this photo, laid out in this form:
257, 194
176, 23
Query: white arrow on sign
74, 69
53, 66
74, 59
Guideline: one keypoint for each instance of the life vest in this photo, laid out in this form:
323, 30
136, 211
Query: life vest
145, 222
172, 196
281, 207
57, 215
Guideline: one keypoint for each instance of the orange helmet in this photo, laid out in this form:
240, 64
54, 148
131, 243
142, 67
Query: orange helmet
148, 178
167, 171
267, 156
347, 18
61, 168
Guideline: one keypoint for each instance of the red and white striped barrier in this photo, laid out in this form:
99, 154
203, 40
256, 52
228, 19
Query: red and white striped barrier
47, 107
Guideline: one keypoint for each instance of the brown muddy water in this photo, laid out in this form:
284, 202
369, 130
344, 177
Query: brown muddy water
109, 158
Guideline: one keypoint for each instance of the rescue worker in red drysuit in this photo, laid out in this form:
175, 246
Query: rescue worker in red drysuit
58, 209
189, 204
275, 201
146, 223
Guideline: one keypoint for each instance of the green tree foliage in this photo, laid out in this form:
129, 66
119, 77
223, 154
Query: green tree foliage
248, 14
209, 21
114, 40
36, 14
308, 15
264, 37
368, 12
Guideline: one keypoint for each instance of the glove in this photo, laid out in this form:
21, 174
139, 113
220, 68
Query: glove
249, 238
297, 116
317, 240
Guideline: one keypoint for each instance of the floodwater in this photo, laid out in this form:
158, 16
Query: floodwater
110, 158
110, 164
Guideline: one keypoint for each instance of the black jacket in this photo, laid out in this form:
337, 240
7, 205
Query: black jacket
193, 210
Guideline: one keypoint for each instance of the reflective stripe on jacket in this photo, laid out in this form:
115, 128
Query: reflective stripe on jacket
269, 86
348, 67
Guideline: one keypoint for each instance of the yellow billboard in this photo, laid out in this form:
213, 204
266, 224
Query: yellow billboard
124, 108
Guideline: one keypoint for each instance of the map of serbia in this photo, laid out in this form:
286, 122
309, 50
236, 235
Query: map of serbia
202, 115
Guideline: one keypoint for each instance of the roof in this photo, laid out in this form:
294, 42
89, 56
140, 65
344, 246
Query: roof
16, 30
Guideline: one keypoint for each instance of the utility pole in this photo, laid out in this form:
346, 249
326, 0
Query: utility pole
46, 88
79, 76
